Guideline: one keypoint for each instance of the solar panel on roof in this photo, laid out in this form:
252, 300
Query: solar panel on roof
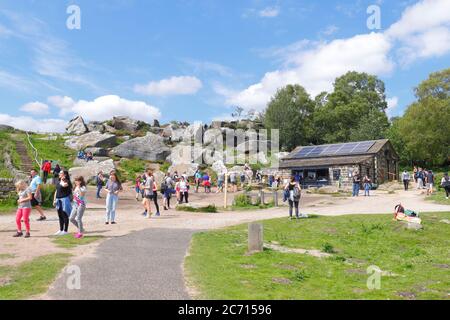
335, 149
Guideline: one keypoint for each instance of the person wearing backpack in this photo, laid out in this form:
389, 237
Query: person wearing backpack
294, 190
445, 183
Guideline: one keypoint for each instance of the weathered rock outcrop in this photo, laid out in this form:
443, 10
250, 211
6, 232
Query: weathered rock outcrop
76, 126
91, 169
92, 139
126, 124
96, 126
150, 148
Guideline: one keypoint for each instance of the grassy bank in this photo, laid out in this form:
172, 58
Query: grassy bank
69, 241
415, 263
51, 149
30, 278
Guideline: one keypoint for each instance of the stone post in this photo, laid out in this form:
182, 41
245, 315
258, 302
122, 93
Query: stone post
255, 237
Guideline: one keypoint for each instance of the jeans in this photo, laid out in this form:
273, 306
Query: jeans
76, 217
293, 204
99, 189
111, 204
355, 189
367, 189
63, 219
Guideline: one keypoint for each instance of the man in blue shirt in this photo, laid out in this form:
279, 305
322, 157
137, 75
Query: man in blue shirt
35, 188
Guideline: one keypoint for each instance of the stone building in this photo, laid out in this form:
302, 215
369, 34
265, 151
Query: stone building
334, 164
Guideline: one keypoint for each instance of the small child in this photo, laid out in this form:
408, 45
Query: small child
24, 208
79, 206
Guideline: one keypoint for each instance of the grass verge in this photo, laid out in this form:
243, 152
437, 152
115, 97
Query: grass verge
69, 241
30, 278
415, 263
207, 209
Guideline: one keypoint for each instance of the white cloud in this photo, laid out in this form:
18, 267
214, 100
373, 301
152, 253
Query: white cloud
33, 124
269, 12
317, 67
183, 85
392, 105
423, 31
105, 107
36, 108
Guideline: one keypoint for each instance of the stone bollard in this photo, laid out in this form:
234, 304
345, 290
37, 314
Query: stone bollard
275, 198
255, 237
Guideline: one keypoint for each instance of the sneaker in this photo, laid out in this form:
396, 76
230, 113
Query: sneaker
27, 235
113, 222
58, 233
78, 235
158, 214
106, 222
41, 218
18, 235
63, 233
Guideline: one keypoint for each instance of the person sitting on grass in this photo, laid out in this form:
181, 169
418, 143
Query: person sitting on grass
23, 209
402, 214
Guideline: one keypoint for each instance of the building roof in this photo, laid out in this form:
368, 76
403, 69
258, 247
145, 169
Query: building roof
333, 154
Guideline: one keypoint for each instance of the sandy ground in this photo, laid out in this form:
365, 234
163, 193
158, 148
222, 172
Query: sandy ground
129, 219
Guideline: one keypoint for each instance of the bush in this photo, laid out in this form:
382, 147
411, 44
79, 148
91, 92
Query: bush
48, 192
242, 200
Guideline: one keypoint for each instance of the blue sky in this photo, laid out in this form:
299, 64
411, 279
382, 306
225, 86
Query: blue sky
192, 60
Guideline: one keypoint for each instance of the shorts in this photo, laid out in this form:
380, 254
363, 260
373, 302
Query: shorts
430, 185
34, 202
138, 190
149, 196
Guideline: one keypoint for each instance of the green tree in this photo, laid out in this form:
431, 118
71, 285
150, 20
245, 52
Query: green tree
355, 110
290, 111
423, 133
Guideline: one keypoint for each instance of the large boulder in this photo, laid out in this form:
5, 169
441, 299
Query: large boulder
92, 139
97, 152
96, 126
90, 170
219, 167
150, 147
126, 124
76, 126
188, 169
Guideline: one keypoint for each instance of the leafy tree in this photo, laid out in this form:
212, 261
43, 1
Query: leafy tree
290, 111
423, 133
355, 110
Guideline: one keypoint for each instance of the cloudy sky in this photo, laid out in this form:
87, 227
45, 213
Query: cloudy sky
193, 60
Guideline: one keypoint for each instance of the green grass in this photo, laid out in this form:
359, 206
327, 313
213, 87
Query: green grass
129, 168
219, 268
6, 146
4, 256
69, 241
30, 278
244, 202
207, 209
51, 150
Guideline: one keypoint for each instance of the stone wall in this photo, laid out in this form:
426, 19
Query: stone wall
7, 188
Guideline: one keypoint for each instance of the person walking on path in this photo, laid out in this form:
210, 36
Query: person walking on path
445, 183
155, 196
198, 180
406, 178
207, 182
62, 202
430, 182
294, 193
23, 209
220, 182
367, 182
79, 206
148, 193
183, 187
356, 184
420, 179
56, 172
99, 181
415, 175
168, 187
137, 186
46, 169
113, 188
35, 188
233, 181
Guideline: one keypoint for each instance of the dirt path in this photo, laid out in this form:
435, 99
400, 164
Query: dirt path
26, 162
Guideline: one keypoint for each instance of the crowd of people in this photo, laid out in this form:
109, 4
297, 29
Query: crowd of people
70, 199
